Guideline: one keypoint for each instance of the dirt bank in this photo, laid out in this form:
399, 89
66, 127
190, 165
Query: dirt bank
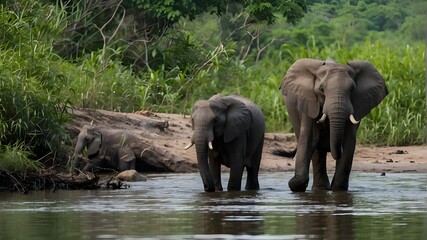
171, 141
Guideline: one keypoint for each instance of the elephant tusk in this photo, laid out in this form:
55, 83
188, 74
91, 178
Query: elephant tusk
322, 119
210, 146
353, 120
189, 146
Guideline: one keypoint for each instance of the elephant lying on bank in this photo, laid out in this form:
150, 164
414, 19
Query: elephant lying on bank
325, 102
106, 149
228, 130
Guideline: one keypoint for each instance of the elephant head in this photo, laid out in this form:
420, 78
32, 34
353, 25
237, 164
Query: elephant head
106, 148
337, 92
90, 137
217, 120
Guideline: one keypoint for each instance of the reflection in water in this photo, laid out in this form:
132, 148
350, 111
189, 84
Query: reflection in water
324, 214
229, 213
173, 207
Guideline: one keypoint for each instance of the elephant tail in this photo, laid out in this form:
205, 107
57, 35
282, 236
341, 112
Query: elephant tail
283, 153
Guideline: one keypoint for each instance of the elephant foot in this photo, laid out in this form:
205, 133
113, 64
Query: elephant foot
321, 188
321, 185
339, 185
252, 187
336, 188
233, 188
209, 189
298, 184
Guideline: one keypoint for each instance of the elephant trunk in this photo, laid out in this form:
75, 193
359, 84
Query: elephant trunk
202, 138
202, 161
77, 155
338, 116
336, 137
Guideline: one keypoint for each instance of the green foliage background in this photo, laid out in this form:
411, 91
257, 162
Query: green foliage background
164, 55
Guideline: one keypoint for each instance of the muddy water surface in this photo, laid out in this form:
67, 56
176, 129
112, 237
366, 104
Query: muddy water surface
175, 207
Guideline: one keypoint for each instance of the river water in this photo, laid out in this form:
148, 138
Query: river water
173, 206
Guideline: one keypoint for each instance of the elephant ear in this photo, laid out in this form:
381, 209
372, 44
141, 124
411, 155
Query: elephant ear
370, 88
95, 144
217, 96
298, 84
239, 118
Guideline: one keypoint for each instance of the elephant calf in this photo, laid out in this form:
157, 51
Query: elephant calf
229, 130
106, 149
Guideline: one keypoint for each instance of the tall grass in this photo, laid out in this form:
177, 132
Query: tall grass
399, 120
32, 113
16, 158
98, 81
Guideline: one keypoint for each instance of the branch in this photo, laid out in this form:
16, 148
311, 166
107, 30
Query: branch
253, 38
260, 50
101, 30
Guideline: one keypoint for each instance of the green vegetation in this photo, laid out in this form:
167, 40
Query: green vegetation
164, 55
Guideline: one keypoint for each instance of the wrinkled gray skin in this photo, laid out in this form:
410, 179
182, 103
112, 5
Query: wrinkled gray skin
106, 149
236, 127
313, 88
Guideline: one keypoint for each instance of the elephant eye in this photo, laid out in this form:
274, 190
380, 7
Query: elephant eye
321, 89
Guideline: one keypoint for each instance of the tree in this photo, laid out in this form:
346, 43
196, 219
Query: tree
138, 26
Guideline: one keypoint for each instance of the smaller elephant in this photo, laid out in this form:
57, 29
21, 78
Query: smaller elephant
228, 130
106, 149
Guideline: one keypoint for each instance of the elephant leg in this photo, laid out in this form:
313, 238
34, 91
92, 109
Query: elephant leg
236, 156
78, 163
126, 159
94, 164
343, 165
215, 169
126, 165
252, 171
320, 176
236, 173
252, 178
299, 181
123, 157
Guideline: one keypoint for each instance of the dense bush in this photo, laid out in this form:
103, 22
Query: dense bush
55, 56
32, 113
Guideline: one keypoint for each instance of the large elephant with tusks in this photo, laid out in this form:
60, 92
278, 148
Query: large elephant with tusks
325, 103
